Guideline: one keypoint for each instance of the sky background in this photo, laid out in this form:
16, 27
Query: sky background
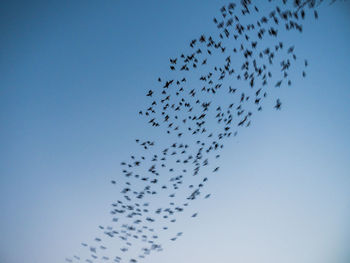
73, 77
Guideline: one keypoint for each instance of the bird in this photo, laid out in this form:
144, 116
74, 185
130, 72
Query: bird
150, 92
278, 104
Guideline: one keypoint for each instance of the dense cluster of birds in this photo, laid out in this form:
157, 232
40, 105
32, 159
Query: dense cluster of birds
161, 184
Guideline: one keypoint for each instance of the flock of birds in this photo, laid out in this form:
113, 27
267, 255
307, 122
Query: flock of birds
161, 184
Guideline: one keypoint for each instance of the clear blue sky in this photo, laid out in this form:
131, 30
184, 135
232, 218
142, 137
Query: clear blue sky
73, 76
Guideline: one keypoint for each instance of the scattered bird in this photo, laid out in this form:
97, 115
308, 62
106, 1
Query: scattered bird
188, 112
278, 104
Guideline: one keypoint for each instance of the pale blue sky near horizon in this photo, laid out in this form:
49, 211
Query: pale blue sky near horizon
73, 76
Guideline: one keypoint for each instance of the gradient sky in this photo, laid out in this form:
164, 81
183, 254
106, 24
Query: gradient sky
73, 76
